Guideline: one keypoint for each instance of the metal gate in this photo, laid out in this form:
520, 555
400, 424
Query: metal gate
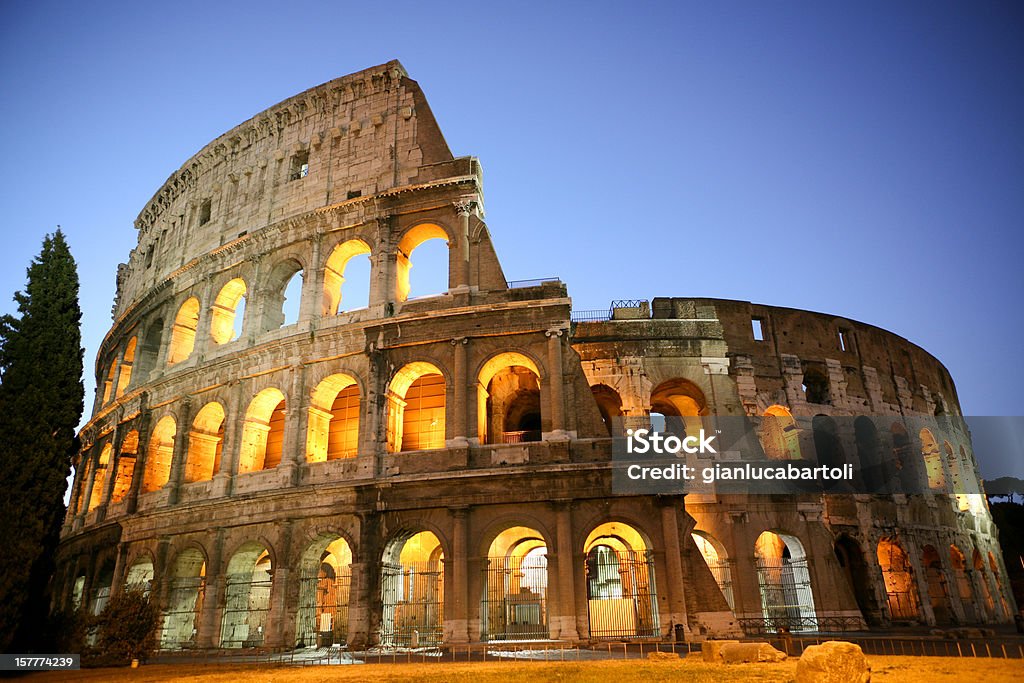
246, 605
413, 598
723, 577
621, 597
323, 608
184, 602
786, 598
514, 606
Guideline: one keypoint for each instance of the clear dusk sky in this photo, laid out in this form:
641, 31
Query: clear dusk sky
864, 158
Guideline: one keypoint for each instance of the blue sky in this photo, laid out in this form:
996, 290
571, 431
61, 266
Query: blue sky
863, 159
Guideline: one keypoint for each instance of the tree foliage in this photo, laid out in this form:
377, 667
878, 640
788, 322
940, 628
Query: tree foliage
41, 401
125, 629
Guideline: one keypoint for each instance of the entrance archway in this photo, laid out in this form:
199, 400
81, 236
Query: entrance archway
899, 580
851, 559
184, 601
324, 585
246, 597
514, 606
622, 601
412, 591
787, 600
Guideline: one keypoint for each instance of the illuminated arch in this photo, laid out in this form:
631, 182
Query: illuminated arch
412, 590
246, 597
609, 405
932, 457
622, 596
184, 600
205, 442
514, 606
897, 573
717, 560
183, 332
410, 241
126, 460
938, 594
334, 274
127, 362
140, 575
159, 454
784, 580
333, 429
779, 434
263, 432
682, 403
229, 305
108, 384
416, 408
325, 578
99, 476
508, 399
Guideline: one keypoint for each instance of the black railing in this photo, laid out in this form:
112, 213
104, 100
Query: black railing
592, 316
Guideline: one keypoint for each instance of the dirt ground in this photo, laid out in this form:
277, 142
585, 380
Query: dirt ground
894, 669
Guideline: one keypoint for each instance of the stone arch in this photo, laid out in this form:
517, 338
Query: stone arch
1000, 589
898, 575
779, 434
682, 403
99, 476
281, 303
325, 579
126, 460
108, 383
851, 560
828, 447
815, 386
263, 432
875, 468
149, 351
334, 275
609, 405
986, 591
140, 573
159, 454
514, 603
932, 458
333, 426
905, 459
938, 591
183, 331
508, 395
102, 585
717, 559
124, 378
205, 443
228, 311
186, 590
416, 408
411, 240
622, 598
784, 580
412, 590
248, 583
958, 562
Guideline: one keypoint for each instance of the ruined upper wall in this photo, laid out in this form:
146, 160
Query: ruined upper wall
358, 135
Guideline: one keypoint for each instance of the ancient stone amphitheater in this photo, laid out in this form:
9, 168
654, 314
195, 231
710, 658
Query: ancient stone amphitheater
433, 470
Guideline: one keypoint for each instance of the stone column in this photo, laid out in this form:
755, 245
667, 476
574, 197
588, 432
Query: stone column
208, 631
312, 304
132, 499
363, 609
460, 407
382, 267
674, 566
461, 274
563, 621
456, 623
112, 465
92, 462
296, 405
234, 419
182, 428
119, 567
278, 608
557, 389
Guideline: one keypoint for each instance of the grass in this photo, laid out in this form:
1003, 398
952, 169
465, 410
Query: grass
894, 669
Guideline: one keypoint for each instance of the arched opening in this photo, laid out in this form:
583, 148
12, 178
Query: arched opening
717, 560
263, 432
184, 601
101, 587
514, 606
150, 349
681, 403
282, 296
904, 459
932, 457
412, 591
963, 582
324, 584
1000, 592
78, 591
108, 384
205, 442
899, 580
125, 466
99, 477
183, 332
508, 395
938, 592
347, 278
333, 430
140, 576
430, 242
956, 477
127, 362
779, 434
851, 560
228, 312
246, 597
986, 591
609, 405
815, 387
416, 409
622, 600
292, 299
158, 457
784, 580
828, 449
877, 471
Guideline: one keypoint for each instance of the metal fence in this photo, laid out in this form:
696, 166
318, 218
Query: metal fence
515, 604
413, 604
620, 594
323, 609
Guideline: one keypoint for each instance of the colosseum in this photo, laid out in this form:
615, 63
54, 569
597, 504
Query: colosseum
396, 471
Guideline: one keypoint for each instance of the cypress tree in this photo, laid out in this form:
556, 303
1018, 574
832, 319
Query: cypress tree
41, 402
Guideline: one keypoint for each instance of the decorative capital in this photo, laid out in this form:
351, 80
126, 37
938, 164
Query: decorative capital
464, 207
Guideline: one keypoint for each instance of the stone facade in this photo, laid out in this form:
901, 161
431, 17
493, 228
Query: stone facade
436, 470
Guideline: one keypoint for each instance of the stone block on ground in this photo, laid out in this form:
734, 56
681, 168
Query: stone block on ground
711, 650
743, 653
833, 661
663, 656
